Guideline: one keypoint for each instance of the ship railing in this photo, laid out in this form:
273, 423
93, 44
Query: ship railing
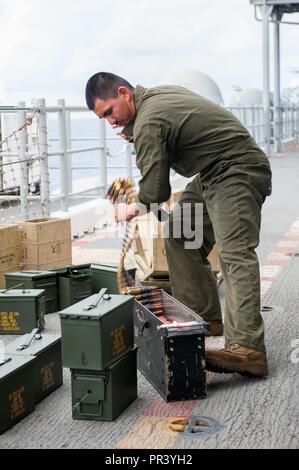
30, 156
284, 124
22, 155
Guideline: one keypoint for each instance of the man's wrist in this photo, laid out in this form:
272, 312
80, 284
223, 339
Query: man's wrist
136, 209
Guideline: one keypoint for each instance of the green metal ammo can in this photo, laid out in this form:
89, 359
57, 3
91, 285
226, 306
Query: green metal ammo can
104, 395
37, 280
97, 331
17, 395
48, 364
21, 311
74, 284
105, 275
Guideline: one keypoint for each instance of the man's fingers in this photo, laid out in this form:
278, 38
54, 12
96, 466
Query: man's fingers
128, 138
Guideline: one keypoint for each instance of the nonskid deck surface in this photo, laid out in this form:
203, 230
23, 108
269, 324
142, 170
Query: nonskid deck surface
254, 413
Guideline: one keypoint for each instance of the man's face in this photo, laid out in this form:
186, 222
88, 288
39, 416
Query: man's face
118, 111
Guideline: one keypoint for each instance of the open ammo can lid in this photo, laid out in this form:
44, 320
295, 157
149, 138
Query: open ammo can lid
73, 267
96, 306
10, 364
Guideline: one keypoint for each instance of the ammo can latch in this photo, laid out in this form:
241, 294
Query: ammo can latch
102, 294
35, 334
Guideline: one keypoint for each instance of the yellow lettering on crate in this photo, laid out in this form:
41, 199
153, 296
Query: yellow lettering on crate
17, 406
118, 340
48, 379
9, 322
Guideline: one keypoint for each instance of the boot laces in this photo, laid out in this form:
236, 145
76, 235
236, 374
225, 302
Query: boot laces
233, 347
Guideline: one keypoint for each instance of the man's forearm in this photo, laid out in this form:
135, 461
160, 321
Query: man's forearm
136, 209
127, 212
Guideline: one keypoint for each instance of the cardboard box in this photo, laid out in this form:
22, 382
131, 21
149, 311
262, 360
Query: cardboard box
11, 269
9, 251
149, 248
214, 260
175, 196
45, 243
150, 254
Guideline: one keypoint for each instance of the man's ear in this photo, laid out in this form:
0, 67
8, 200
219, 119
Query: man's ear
123, 91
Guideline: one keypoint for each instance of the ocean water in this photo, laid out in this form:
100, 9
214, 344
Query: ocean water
82, 128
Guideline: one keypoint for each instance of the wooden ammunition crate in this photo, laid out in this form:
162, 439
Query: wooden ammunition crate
9, 251
214, 260
149, 249
213, 256
45, 243
175, 196
11, 269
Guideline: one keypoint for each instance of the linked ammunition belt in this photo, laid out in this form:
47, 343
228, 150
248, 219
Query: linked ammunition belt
116, 192
149, 296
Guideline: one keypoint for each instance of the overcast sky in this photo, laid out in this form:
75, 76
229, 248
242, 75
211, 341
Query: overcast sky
49, 48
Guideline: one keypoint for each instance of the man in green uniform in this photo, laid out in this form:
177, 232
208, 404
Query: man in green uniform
173, 127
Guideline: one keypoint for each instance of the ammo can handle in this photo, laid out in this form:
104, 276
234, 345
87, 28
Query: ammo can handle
31, 272
5, 361
30, 338
72, 275
101, 296
70, 271
12, 288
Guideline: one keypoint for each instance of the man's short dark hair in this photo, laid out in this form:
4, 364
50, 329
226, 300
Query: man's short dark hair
104, 85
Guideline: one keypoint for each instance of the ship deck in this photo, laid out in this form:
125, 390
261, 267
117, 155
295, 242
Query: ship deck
253, 413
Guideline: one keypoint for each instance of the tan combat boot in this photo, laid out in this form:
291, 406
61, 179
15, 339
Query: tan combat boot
236, 358
215, 328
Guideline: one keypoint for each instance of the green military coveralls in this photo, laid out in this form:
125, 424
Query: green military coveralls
176, 128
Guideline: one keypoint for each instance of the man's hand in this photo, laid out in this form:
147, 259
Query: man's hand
127, 212
132, 194
128, 138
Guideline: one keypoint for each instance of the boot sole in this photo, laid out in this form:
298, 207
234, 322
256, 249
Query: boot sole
250, 371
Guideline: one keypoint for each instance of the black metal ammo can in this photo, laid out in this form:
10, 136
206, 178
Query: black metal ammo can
17, 393
21, 311
74, 284
37, 280
105, 276
171, 349
48, 364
